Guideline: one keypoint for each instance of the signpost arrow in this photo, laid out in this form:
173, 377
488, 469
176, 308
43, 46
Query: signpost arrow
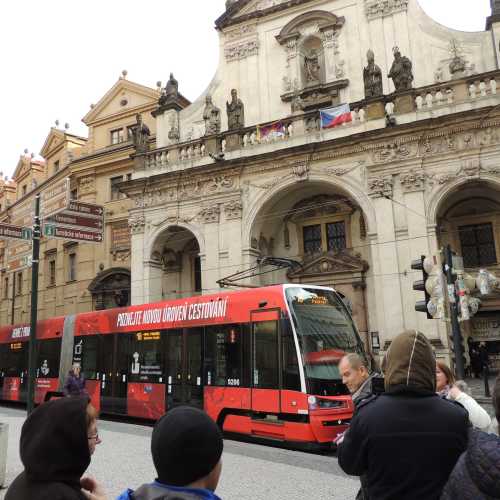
55, 198
15, 232
64, 233
68, 219
85, 208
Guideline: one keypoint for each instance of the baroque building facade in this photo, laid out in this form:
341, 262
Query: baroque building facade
246, 171
77, 277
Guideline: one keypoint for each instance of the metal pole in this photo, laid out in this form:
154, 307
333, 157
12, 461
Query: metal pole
486, 375
455, 325
34, 306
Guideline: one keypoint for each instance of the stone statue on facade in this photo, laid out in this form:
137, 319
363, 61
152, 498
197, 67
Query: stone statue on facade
312, 67
170, 92
235, 112
140, 135
211, 115
372, 76
401, 71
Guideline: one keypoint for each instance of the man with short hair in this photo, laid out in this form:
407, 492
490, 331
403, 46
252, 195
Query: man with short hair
355, 376
186, 446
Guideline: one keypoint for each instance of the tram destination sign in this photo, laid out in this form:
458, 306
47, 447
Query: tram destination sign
10, 231
66, 233
55, 199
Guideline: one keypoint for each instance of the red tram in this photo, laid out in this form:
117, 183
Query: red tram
262, 362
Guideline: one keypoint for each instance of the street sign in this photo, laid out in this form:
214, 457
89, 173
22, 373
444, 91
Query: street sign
85, 208
55, 199
68, 219
64, 233
22, 213
15, 232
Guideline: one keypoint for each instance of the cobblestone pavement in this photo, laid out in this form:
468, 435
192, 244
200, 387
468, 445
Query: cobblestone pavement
250, 471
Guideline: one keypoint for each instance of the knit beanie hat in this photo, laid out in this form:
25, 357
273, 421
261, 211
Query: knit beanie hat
186, 445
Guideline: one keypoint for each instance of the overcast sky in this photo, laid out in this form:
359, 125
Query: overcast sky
59, 56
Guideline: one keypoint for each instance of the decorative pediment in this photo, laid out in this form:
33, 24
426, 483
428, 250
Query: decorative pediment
330, 263
53, 141
319, 206
242, 10
122, 97
25, 165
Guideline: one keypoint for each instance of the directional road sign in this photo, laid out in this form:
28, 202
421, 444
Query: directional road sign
55, 198
10, 231
68, 219
64, 233
79, 207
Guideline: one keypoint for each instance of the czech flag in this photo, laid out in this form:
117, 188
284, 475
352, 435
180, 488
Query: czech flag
332, 117
274, 130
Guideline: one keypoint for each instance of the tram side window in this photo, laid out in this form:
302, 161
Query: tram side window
85, 352
223, 355
291, 377
265, 372
13, 359
146, 357
48, 356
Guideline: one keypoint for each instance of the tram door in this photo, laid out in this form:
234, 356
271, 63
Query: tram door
113, 378
184, 350
265, 361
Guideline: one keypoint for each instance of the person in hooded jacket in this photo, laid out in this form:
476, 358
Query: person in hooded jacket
57, 441
406, 441
186, 446
75, 382
476, 475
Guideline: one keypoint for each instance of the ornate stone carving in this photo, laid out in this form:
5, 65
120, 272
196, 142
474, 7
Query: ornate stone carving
401, 71
382, 8
233, 210
394, 151
86, 185
170, 92
372, 76
211, 115
235, 112
413, 180
210, 215
338, 172
380, 186
137, 224
241, 31
174, 134
300, 170
241, 50
220, 183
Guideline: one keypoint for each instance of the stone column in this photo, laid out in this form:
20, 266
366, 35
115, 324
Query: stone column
152, 276
386, 279
138, 284
330, 49
293, 63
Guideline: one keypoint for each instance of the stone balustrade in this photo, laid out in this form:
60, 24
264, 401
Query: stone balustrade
445, 97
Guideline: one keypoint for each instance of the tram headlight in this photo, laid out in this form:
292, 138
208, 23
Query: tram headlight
312, 401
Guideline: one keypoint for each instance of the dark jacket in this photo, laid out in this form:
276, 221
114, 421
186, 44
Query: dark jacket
159, 491
74, 386
365, 391
477, 473
406, 441
54, 451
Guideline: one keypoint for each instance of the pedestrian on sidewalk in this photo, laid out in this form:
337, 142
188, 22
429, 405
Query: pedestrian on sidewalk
75, 382
476, 475
186, 446
446, 387
359, 381
407, 440
57, 441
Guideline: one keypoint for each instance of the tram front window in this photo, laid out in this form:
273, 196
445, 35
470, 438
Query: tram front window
326, 333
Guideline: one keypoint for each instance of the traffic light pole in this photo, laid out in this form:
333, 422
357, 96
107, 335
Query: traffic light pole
34, 306
455, 325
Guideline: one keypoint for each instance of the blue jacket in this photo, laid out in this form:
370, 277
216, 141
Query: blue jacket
159, 491
74, 386
476, 475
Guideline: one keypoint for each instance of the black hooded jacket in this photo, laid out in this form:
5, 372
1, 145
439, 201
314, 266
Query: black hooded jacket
54, 451
405, 442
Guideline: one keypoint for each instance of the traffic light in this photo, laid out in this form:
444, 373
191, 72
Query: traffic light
425, 266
